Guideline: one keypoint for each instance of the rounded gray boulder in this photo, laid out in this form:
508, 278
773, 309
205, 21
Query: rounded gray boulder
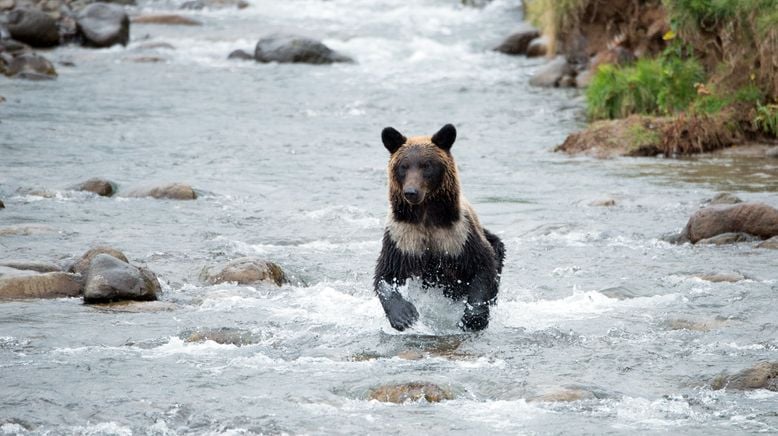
33, 27
295, 49
104, 25
109, 279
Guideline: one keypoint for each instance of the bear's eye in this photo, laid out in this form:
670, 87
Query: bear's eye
424, 165
404, 167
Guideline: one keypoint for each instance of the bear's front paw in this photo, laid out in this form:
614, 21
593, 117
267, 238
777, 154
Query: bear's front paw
401, 313
475, 318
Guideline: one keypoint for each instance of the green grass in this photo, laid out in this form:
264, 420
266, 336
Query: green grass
766, 119
651, 86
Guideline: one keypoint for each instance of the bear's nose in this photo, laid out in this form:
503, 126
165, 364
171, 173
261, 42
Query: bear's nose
411, 194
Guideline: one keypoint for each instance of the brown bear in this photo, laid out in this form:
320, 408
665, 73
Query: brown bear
433, 234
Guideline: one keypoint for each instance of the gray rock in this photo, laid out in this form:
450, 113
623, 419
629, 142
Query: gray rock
295, 49
33, 27
6, 5
31, 265
82, 264
25, 230
102, 187
727, 238
722, 277
538, 47
553, 74
240, 54
31, 66
223, 335
608, 202
169, 19
17, 284
214, 4
410, 392
245, 270
772, 152
109, 279
104, 25
517, 43
173, 191
725, 198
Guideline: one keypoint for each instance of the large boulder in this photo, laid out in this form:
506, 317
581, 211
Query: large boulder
295, 49
16, 283
30, 66
244, 271
240, 54
223, 335
104, 25
763, 375
173, 191
82, 264
109, 279
556, 73
102, 187
33, 27
756, 219
517, 42
415, 391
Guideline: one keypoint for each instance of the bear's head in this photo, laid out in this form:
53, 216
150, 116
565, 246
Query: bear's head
421, 168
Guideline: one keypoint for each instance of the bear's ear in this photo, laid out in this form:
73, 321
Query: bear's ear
445, 137
393, 139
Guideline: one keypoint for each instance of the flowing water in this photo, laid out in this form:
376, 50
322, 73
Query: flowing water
289, 166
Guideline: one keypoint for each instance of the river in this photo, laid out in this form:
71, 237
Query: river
289, 166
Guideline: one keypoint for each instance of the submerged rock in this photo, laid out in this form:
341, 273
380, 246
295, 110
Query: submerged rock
727, 238
240, 54
696, 326
223, 335
608, 202
245, 270
173, 191
16, 283
31, 265
415, 391
556, 73
771, 243
214, 4
565, 395
82, 264
110, 279
25, 230
33, 27
756, 219
763, 375
517, 42
724, 198
136, 306
31, 66
722, 277
104, 25
170, 19
295, 49
101, 187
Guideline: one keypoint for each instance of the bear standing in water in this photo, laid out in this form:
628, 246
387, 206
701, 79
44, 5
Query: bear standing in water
433, 233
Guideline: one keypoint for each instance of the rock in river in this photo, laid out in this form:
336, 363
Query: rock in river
771, 243
241, 54
170, 19
517, 42
2, 205
401, 393
763, 375
538, 47
110, 279
173, 191
724, 198
756, 219
31, 66
31, 265
104, 25
556, 73
102, 187
16, 283
284, 48
82, 264
33, 27
245, 270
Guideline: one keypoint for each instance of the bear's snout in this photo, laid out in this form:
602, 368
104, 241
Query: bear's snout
412, 195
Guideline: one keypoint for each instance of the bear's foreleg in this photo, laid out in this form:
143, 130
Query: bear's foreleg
483, 293
400, 312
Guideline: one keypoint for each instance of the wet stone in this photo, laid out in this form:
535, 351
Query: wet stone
410, 392
241, 54
33, 27
224, 336
537, 47
771, 243
82, 264
31, 265
722, 277
565, 395
245, 270
109, 279
23, 284
25, 230
608, 202
173, 191
284, 48
758, 219
553, 73
169, 19
31, 66
727, 238
725, 198
128, 306
517, 42
101, 187
696, 326
763, 375
104, 25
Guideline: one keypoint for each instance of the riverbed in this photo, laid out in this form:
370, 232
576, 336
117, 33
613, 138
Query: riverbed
289, 166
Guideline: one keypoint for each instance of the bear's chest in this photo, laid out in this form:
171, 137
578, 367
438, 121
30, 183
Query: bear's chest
429, 241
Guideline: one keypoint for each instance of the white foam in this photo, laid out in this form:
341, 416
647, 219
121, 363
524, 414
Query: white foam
177, 345
102, 429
